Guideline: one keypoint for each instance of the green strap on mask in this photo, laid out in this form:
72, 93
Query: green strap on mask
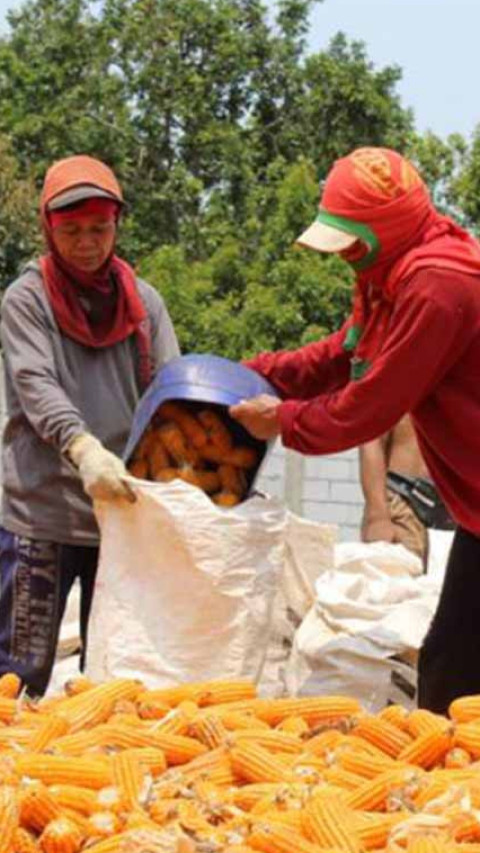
356, 229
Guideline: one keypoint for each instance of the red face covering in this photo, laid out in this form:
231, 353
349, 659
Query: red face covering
116, 309
377, 195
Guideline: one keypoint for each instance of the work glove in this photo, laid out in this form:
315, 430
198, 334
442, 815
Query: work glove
102, 473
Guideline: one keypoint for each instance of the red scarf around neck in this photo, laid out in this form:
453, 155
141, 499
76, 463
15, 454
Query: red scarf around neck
379, 188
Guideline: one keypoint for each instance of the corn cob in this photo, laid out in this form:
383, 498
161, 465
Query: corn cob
216, 431
363, 763
466, 709
8, 709
247, 796
83, 800
77, 685
153, 710
128, 777
238, 721
209, 730
80, 743
24, 841
274, 838
251, 763
10, 685
328, 823
273, 741
93, 706
457, 758
38, 807
342, 778
295, 726
373, 794
381, 734
103, 825
396, 715
177, 749
188, 423
60, 770
61, 836
373, 830
220, 692
421, 722
9, 817
53, 727
321, 709
152, 759
427, 843
467, 736
427, 749
177, 721
324, 743
109, 799
113, 844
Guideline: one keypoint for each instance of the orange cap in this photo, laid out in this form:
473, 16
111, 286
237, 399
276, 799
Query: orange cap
79, 171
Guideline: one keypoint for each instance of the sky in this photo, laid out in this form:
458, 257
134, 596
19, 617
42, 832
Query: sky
435, 42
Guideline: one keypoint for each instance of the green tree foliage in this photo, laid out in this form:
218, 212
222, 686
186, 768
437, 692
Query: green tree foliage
219, 125
19, 236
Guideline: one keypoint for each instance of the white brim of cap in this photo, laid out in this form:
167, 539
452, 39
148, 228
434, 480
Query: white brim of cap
324, 238
77, 194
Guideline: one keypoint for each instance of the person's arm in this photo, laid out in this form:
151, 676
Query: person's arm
29, 360
314, 369
426, 338
28, 354
377, 524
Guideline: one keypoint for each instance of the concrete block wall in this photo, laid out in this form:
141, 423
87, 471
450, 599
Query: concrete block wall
322, 488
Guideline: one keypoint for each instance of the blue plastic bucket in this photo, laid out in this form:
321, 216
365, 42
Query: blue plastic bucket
202, 379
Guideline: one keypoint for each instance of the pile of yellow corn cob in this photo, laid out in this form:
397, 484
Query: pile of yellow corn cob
211, 768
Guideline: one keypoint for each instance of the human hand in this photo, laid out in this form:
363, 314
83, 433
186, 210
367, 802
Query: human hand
378, 530
259, 416
102, 473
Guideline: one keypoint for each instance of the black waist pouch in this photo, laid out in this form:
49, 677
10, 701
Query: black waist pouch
423, 498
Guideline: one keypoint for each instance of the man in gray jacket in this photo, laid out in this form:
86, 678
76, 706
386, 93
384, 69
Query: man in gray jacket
82, 337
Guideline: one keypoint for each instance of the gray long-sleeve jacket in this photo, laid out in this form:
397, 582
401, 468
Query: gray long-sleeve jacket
56, 389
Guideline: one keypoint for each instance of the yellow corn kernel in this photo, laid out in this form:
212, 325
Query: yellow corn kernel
151, 759
61, 836
373, 831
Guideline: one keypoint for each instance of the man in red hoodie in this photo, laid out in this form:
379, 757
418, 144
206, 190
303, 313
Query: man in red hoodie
411, 345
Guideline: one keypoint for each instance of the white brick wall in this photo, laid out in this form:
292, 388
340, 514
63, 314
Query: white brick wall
323, 488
